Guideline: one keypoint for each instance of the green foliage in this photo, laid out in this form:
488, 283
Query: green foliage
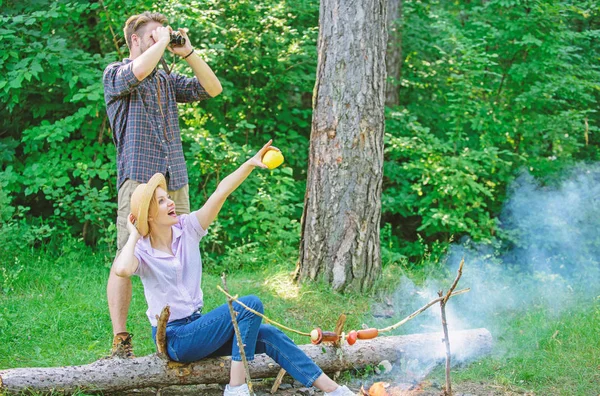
450, 192
58, 160
56, 163
488, 90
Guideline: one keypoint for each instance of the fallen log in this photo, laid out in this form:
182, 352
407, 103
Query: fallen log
114, 375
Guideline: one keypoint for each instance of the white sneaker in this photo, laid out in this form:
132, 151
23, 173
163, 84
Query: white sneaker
341, 391
241, 390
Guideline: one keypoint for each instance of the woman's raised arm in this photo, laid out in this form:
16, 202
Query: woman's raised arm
207, 214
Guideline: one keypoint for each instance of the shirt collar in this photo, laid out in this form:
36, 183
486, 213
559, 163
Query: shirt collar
147, 246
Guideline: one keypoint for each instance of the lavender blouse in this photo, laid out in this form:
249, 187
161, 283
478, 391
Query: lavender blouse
173, 280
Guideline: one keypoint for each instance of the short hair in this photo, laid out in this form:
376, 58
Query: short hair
136, 22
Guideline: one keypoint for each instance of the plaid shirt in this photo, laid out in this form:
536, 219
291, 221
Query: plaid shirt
148, 141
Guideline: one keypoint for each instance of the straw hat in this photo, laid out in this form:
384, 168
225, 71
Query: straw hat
140, 201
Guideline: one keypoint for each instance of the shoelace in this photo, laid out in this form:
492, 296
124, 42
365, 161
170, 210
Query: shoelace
127, 345
124, 347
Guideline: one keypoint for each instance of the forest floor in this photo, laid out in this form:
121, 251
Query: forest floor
392, 383
424, 388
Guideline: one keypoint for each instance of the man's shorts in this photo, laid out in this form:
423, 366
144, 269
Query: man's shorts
181, 198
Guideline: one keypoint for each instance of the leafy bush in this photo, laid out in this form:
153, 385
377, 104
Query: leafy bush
58, 160
447, 193
487, 89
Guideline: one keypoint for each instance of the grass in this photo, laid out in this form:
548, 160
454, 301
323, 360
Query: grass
53, 312
544, 354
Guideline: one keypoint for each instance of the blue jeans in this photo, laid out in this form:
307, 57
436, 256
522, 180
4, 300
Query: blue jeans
209, 335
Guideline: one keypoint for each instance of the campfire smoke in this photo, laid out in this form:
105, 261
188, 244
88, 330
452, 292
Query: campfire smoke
550, 263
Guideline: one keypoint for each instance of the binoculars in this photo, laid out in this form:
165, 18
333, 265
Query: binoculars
177, 40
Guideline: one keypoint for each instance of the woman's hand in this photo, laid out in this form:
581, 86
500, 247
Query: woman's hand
133, 231
207, 213
257, 159
126, 263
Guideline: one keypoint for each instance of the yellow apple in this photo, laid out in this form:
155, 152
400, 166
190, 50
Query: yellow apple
272, 159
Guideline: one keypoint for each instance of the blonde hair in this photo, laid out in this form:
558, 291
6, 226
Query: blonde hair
135, 23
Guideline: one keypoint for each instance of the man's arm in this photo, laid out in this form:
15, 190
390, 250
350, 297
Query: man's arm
147, 61
206, 77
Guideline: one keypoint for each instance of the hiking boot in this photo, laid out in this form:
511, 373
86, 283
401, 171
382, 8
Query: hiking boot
122, 346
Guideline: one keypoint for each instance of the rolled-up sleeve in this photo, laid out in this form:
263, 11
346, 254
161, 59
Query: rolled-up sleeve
188, 89
139, 271
119, 79
191, 225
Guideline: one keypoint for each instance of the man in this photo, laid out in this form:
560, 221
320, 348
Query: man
141, 103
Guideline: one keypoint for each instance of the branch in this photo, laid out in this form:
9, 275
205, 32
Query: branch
448, 390
429, 304
460, 267
238, 335
115, 41
161, 333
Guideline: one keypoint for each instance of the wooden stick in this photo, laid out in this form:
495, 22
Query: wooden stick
448, 390
460, 267
339, 330
278, 381
161, 333
238, 335
114, 36
389, 328
423, 308
235, 298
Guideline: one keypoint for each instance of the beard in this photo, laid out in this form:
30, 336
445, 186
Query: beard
144, 46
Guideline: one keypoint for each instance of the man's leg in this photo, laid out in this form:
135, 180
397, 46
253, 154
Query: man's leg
118, 290
181, 198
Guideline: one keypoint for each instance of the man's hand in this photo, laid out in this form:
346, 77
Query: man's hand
152, 50
162, 33
184, 49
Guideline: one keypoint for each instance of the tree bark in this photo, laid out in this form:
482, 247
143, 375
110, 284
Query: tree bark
342, 205
118, 375
393, 57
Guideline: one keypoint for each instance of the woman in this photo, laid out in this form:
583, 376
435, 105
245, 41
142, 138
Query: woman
163, 250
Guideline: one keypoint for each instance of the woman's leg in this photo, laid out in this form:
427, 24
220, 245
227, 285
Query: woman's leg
208, 334
282, 349
286, 353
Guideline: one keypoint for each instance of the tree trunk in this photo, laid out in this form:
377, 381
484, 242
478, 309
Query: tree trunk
342, 205
118, 375
393, 57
